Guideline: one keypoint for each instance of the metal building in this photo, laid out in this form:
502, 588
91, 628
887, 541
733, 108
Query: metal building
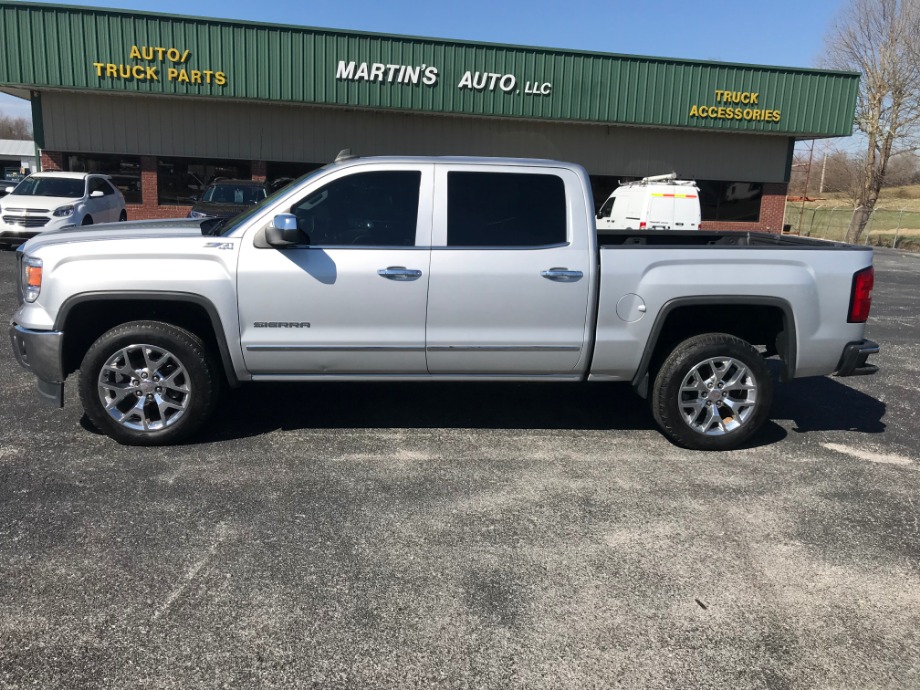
165, 104
17, 158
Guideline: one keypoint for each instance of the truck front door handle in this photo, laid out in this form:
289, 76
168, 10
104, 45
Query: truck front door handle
562, 275
399, 273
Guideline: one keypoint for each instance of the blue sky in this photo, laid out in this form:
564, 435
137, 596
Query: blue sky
771, 32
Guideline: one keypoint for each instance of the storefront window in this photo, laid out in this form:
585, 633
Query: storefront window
125, 171
730, 201
180, 181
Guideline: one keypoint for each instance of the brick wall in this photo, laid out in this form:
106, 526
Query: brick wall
772, 208
143, 212
150, 208
52, 160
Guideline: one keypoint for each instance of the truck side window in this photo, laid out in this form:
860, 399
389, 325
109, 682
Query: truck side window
372, 209
505, 210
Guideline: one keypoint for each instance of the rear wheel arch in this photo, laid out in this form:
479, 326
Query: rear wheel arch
760, 320
85, 317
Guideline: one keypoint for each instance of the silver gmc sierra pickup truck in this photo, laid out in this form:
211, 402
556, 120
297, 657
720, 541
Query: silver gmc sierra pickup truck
434, 269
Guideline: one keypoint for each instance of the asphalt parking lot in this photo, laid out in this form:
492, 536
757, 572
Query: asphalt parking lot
470, 536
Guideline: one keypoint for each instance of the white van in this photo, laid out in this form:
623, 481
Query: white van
661, 202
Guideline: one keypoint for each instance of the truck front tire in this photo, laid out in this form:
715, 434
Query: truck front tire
713, 392
148, 383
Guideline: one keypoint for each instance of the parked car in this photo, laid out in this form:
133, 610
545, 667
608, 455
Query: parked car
437, 269
661, 202
227, 198
279, 183
55, 200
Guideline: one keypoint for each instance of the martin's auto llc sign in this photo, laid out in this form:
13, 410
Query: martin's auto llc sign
429, 75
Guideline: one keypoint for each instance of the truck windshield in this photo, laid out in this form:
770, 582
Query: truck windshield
67, 187
227, 227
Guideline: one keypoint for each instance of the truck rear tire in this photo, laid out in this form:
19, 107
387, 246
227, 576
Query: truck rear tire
713, 392
148, 383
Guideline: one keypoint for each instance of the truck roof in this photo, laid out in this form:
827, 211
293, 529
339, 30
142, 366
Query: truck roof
467, 160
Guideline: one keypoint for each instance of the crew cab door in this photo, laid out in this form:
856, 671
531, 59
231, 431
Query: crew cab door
352, 300
511, 271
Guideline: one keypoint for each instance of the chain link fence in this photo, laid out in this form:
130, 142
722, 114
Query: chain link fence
896, 228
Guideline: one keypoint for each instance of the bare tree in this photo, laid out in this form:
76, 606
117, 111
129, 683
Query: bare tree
880, 39
840, 172
15, 128
903, 170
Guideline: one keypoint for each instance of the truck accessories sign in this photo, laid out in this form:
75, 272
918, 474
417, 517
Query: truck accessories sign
731, 107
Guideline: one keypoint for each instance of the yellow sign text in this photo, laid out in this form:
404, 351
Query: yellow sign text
150, 73
732, 112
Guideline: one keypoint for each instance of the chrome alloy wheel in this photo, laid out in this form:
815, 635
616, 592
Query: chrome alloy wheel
144, 387
717, 396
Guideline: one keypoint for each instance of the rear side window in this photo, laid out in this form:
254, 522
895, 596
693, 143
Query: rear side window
505, 210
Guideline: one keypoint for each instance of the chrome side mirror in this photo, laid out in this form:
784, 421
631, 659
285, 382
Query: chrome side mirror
283, 232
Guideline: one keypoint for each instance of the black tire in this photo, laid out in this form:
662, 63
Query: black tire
723, 421
152, 416
87, 220
123, 216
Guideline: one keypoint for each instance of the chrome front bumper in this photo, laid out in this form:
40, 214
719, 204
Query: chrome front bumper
16, 236
40, 353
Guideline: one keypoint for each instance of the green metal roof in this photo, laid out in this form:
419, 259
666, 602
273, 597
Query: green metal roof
67, 47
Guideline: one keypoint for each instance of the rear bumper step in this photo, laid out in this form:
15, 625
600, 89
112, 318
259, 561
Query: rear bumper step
853, 360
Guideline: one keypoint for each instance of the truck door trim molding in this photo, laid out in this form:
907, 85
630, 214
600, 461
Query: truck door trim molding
504, 348
332, 348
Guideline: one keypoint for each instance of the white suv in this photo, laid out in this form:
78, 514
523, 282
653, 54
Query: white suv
54, 200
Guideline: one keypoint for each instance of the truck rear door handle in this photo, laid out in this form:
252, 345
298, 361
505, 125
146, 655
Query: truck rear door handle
562, 275
399, 273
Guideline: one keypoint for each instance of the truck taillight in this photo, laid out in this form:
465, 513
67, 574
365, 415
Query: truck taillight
861, 295
642, 225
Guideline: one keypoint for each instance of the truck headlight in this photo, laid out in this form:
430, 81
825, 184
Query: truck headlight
31, 278
197, 214
62, 211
